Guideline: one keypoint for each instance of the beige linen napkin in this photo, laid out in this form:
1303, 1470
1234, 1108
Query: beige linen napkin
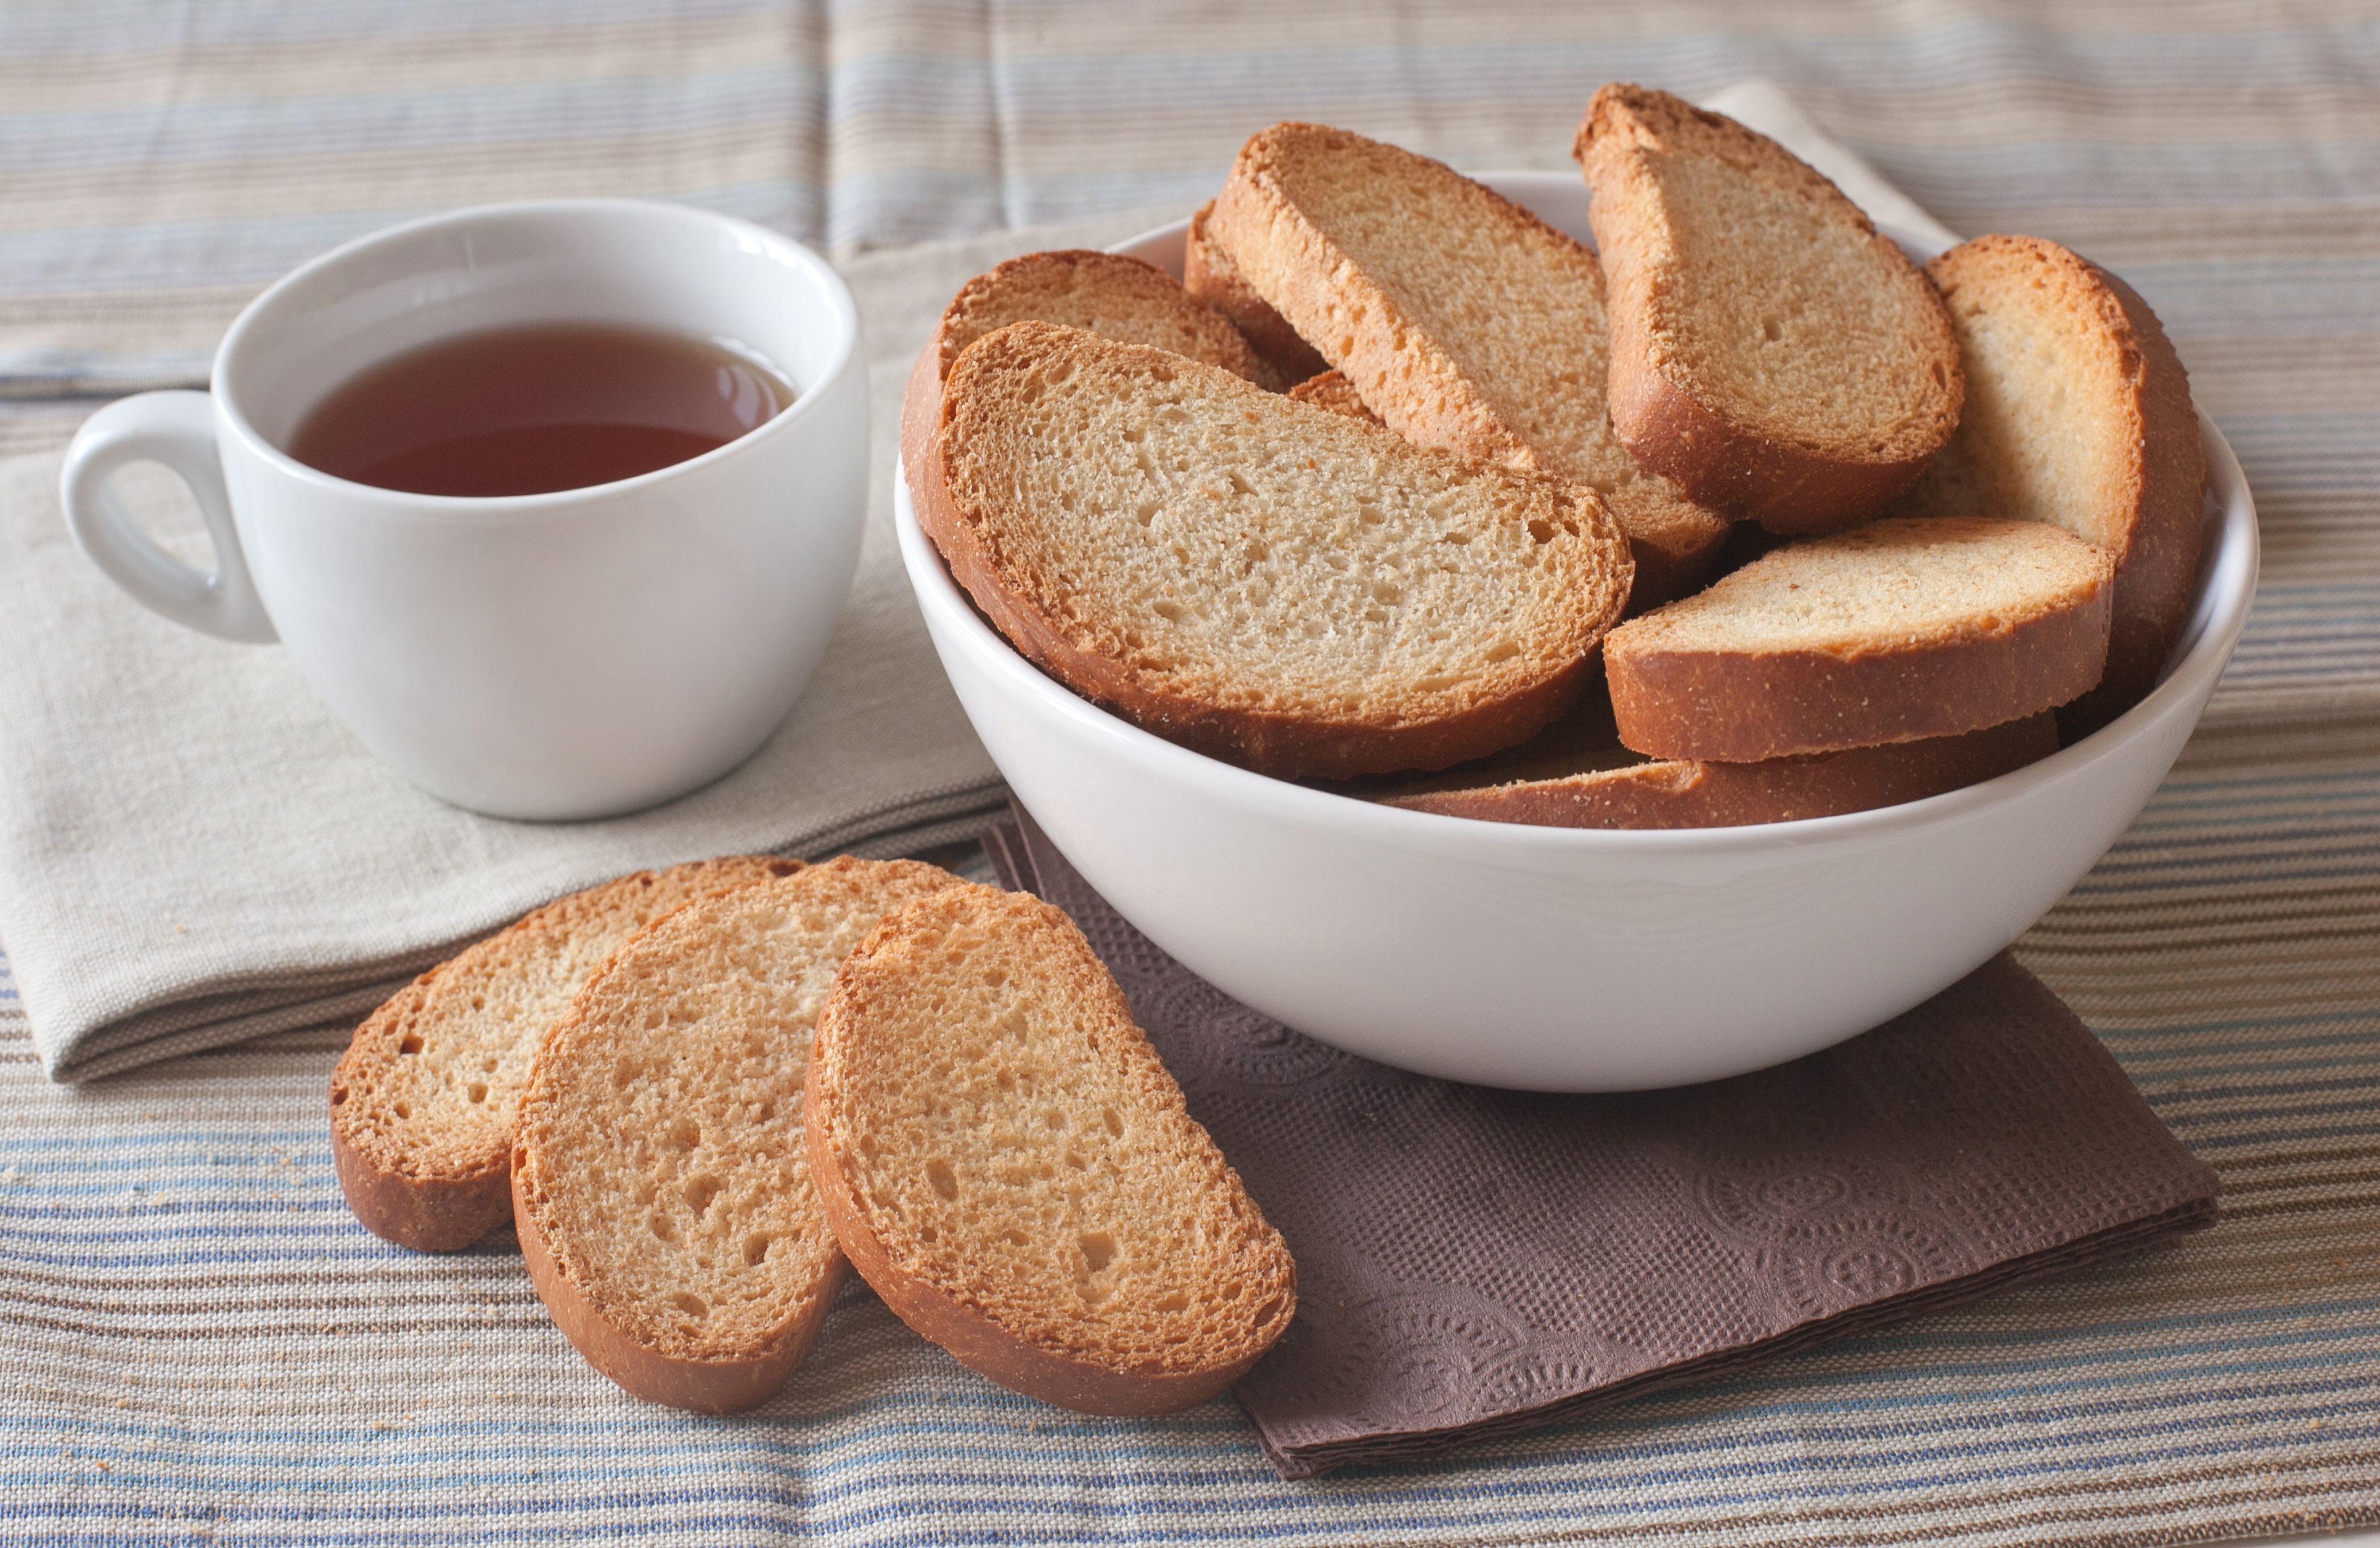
193, 852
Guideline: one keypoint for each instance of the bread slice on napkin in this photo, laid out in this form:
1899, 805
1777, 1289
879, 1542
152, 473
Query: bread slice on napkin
1460, 319
2077, 414
1209, 274
1770, 350
1007, 1162
1290, 589
1685, 792
423, 1103
1106, 294
660, 1184
1897, 630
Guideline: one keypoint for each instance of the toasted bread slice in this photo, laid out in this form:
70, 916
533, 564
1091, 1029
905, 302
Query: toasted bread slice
1332, 390
1463, 320
660, 1184
1209, 274
1290, 589
1580, 739
1897, 630
1106, 294
1006, 1161
423, 1103
1685, 793
1770, 350
2079, 414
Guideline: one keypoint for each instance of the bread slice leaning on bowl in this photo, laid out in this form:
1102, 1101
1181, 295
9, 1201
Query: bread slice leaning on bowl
2077, 414
1770, 350
1007, 1162
1272, 583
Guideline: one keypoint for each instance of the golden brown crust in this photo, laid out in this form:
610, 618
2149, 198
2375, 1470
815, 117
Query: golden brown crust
1688, 794
1786, 489
2161, 515
711, 1387
1285, 744
1787, 484
1332, 390
1064, 286
1364, 334
1209, 274
445, 1198
921, 415
1076, 1378
973, 1339
1731, 707
435, 1213
659, 1189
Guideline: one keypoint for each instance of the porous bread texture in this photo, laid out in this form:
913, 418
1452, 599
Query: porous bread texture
423, 1102
1461, 321
1685, 793
1290, 589
1897, 630
1209, 274
1009, 1164
1106, 294
660, 1184
1770, 350
1331, 390
2077, 414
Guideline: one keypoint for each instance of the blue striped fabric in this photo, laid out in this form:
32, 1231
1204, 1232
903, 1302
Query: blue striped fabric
197, 1343
195, 1333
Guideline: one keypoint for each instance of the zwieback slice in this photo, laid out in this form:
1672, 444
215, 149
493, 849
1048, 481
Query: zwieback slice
1770, 350
2079, 414
1460, 319
1009, 1164
1686, 792
1209, 274
1901, 629
1114, 297
661, 1188
423, 1102
1293, 589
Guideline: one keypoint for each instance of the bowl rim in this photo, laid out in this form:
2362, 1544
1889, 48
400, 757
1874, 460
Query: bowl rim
2225, 587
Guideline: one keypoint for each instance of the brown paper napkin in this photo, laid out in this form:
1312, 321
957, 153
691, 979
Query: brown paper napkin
1473, 1262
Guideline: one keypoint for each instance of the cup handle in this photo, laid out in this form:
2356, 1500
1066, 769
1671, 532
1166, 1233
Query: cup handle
176, 430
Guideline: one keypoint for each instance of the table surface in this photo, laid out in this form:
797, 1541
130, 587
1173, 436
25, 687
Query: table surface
196, 1344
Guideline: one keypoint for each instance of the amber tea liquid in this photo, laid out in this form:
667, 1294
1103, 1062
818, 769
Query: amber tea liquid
533, 409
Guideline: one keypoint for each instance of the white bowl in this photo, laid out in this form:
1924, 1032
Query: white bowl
1567, 958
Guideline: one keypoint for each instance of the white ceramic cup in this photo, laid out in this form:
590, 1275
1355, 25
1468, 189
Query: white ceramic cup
555, 656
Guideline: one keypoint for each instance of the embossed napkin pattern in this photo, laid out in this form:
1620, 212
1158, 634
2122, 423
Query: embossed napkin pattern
1473, 1262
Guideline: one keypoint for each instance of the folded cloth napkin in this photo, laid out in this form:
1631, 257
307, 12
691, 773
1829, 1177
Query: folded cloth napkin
193, 852
1472, 1262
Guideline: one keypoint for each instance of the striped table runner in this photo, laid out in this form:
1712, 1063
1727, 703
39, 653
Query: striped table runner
198, 1345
